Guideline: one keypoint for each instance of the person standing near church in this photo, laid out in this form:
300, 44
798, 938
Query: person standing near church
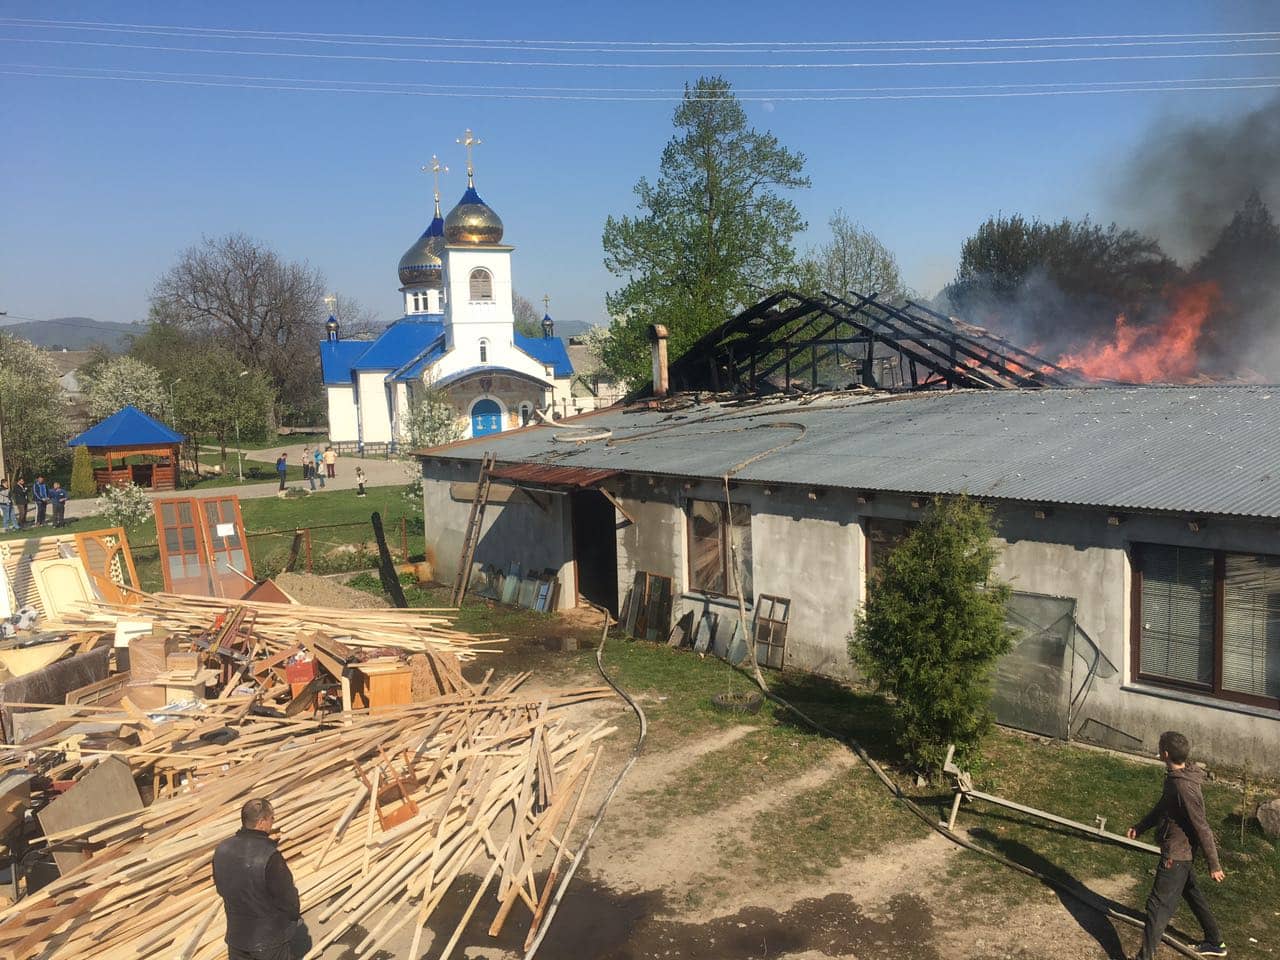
319, 460
40, 493
58, 497
282, 470
7, 522
330, 461
21, 499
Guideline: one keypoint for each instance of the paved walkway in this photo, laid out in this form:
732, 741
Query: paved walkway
378, 473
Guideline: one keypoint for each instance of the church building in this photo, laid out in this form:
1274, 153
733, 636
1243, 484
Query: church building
457, 336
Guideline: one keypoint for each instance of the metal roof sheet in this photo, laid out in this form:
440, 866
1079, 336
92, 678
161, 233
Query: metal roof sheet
127, 427
399, 343
548, 350
551, 476
1202, 449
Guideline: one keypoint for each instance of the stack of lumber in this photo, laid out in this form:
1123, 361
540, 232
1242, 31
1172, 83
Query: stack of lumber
412, 630
379, 816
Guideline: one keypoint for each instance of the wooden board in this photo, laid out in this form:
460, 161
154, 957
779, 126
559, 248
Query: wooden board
106, 790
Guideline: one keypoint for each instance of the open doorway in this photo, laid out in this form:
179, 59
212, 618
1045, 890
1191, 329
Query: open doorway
595, 548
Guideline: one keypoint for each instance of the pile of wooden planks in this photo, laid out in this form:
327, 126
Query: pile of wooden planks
411, 630
379, 815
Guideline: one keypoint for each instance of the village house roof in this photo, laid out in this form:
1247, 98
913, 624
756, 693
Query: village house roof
127, 427
1199, 450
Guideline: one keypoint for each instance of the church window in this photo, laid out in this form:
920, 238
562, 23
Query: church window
481, 284
526, 413
484, 351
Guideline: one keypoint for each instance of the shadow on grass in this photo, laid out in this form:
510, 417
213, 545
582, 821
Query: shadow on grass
850, 714
1091, 920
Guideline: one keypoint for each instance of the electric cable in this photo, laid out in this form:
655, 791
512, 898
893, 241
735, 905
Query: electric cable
608, 797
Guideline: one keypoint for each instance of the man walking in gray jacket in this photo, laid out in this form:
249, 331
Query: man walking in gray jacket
1181, 828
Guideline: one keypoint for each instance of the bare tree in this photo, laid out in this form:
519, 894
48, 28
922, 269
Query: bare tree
268, 312
528, 320
853, 259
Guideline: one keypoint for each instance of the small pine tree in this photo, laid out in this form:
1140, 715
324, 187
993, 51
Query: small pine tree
82, 483
932, 629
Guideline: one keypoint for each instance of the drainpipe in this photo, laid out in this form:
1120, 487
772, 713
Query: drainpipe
658, 346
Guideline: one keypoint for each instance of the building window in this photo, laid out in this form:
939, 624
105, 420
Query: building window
526, 413
883, 537
484, 351
481, 284
719, 544
1208, 620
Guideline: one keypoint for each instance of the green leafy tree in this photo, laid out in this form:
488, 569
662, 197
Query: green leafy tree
33, 413
527, 319
125, 381
932, 629
855, 260
711, 236
219, 398
1057, 284
82, 482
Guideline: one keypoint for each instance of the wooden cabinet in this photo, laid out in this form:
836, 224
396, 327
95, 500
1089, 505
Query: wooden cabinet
381, 683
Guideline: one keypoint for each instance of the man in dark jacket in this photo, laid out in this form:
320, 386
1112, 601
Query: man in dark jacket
1182, 828
257, 889
21, 500
40, 494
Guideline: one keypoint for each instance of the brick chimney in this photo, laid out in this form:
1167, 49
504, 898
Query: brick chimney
658, 347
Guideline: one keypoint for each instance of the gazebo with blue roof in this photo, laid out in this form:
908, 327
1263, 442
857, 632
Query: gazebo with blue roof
131, 433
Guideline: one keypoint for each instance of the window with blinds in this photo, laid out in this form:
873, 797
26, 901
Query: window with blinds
1251, 625
1177, 614
1210, 619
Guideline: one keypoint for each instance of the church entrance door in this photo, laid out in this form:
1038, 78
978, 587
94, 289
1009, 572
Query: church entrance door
486, 418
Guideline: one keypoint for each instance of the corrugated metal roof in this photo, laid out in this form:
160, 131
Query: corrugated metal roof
127, 427
549, 476
337, 358
548, 350
1203, 449
399, 343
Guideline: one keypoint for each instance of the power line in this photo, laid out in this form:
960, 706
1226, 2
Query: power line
556, 46
309, 87
647, 66
672, 92
678, 44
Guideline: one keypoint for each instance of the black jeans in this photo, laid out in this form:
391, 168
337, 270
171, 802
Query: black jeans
1175, 879
282, 952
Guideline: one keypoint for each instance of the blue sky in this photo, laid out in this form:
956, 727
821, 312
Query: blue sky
104, 181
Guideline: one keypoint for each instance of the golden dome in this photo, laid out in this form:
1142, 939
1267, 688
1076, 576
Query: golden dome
472, 221
423, 263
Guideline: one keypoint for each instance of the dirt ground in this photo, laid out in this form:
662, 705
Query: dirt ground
676, 887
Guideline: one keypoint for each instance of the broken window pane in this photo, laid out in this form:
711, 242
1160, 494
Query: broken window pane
715, 545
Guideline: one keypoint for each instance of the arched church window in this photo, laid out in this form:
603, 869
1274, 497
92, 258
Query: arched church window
484, 351
481, 284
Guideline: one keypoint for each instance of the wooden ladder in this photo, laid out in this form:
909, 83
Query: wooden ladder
472, 536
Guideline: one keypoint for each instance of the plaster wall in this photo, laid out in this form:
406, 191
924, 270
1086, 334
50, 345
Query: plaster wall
519, 531
509, 391
344, 423
375, 411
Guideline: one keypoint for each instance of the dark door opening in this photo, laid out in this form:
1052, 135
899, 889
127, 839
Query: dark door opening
595, 548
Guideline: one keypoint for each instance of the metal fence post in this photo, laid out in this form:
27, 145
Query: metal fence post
404, 537
307, 531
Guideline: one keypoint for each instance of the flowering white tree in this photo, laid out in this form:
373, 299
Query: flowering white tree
125, 381
125, 506
32, 409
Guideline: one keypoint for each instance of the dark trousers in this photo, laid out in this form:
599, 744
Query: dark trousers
282, 476
22, 509
59, 514
282, 952
329, 468
41, 507
1175, 879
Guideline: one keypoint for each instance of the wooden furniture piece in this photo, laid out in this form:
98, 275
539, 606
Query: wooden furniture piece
382, 683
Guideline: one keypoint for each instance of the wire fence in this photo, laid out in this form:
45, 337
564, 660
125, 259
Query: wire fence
318, 548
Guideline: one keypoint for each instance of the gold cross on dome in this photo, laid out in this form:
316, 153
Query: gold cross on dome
469, 140
331, 302
435, 169
546, 303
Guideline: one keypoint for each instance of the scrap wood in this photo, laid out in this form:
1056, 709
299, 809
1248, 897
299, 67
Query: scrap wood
468, 757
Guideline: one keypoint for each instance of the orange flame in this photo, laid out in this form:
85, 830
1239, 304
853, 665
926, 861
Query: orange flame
1163, 352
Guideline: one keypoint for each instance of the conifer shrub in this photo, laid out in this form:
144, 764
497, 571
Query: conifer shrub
932, 629
82, 485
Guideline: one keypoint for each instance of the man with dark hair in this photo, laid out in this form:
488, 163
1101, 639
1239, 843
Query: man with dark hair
1182, 827
282, 470
257, 889
40, 494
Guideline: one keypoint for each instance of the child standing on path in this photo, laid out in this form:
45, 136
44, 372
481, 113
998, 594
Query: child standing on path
1181, 828
318, 465
359, 481
330, 461
282, 468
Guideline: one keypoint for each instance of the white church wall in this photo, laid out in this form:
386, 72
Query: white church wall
344, 422
375, 411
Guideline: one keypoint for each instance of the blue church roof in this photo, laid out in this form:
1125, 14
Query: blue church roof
548, 350
399, 343
127, 427
414, 369
337, 358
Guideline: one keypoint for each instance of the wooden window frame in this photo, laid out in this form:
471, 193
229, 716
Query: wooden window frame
726, 554
1214, 689
481, 280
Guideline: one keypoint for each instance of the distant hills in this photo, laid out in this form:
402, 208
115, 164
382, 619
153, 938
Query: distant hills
74, 333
